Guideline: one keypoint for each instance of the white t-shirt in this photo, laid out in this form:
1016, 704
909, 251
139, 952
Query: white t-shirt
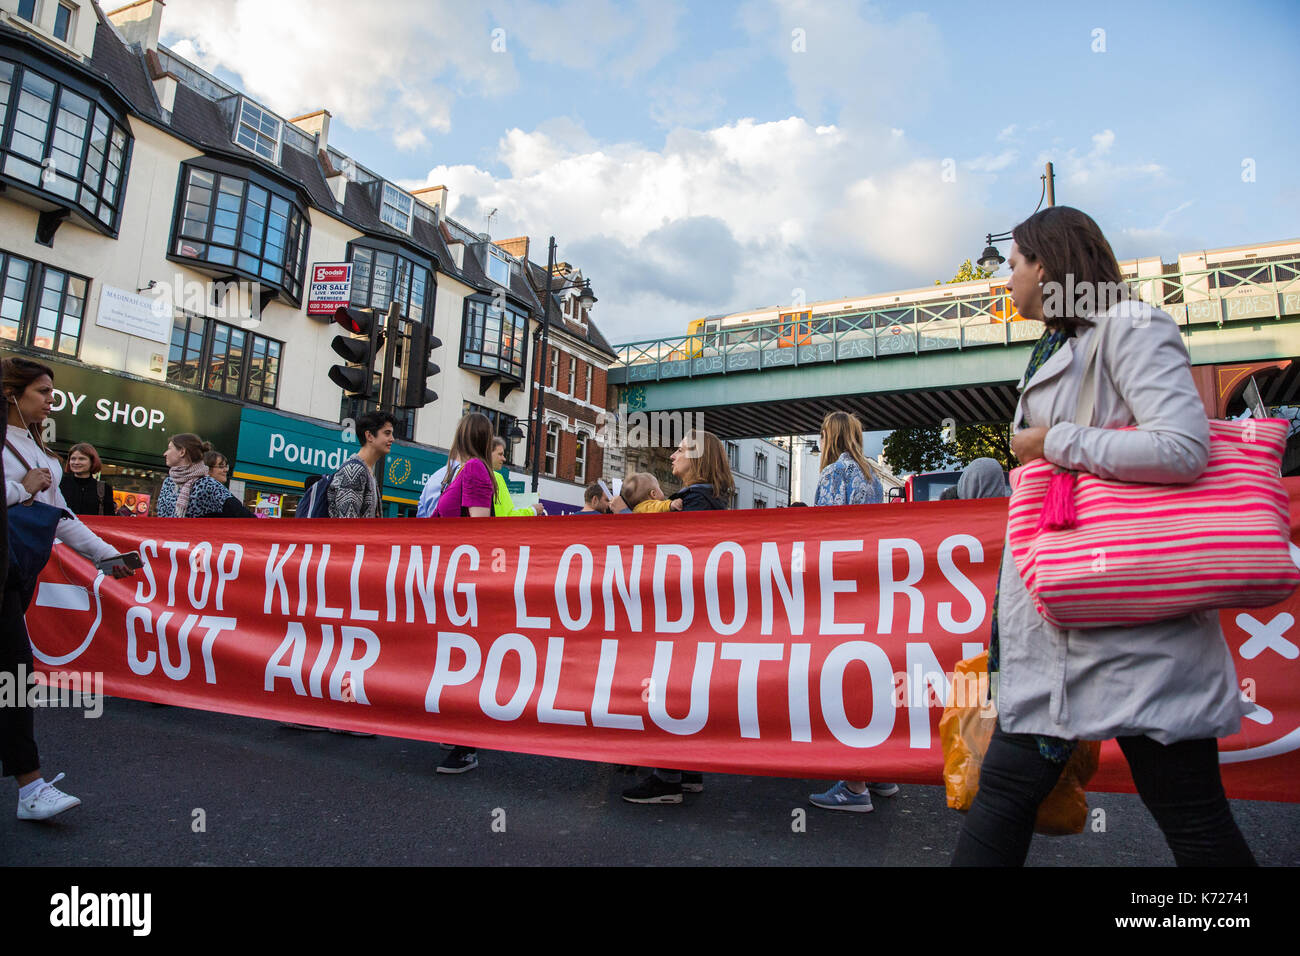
71, 531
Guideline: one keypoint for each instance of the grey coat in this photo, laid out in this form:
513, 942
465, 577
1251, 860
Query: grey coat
1172, 679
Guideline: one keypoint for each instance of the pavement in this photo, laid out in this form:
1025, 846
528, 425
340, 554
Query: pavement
166, 786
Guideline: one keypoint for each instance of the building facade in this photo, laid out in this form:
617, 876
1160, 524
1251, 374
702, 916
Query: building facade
159, 235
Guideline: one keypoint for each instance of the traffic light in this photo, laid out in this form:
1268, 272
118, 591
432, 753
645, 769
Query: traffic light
364, 339
419, 366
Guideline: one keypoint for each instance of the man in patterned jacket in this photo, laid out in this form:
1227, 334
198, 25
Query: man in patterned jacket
354, 493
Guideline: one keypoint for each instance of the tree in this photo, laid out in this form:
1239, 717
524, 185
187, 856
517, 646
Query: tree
925, 449
967, 273
929, 449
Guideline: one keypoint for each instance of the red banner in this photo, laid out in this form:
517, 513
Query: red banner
805, 642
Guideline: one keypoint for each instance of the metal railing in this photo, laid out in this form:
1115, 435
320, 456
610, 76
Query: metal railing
1218, 295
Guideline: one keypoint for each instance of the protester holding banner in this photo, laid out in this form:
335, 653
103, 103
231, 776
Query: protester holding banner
85, 493
468, 493
29, 395
700, 463
189, 491
847, 479
502, 506
1165, 689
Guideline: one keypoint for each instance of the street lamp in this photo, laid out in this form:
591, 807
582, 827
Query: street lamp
990, 259
586, 298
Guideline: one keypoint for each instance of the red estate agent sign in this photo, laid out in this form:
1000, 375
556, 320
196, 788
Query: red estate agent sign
331, 286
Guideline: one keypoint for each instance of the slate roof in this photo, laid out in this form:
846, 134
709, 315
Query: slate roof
593, 336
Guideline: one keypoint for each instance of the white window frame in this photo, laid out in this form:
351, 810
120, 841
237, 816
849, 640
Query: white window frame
573, 376
504, 263
256, 128
402, 206
551, 457
555, 368
760, 467
760, 502
72, 22
36, 13
580, 458
589, 377
733, 455
782, 476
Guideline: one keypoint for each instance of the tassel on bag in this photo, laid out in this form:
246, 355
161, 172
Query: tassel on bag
1058, 512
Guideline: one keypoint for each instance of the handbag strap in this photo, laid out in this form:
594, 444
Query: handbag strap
17, 454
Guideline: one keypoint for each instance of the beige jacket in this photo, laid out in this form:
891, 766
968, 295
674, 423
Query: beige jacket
1173, 679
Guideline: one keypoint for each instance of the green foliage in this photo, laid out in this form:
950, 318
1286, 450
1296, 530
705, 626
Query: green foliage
967, 273
924, 449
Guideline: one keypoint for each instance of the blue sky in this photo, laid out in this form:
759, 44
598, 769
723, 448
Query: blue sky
692, 161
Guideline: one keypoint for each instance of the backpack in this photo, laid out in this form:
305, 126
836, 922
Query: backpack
316, 503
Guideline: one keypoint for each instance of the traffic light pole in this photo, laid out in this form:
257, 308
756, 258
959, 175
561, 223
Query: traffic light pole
387, 390
543, 366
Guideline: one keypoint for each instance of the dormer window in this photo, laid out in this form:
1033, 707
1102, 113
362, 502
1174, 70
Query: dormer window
498, 269
396, 208
258, 131
63, 18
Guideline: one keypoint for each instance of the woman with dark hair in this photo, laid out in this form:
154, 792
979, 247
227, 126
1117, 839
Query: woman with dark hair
468, 491
218, 466
32, 473
81, 489
189, 491
700, 464
1165, 690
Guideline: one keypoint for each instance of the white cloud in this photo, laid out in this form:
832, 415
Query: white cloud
1094, 174
371, 66
623, 40
856, 66
729, 218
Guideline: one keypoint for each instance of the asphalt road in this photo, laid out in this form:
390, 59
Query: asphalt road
271, 795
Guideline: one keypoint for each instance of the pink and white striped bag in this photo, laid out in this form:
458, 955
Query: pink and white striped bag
1141, 553
1100, 553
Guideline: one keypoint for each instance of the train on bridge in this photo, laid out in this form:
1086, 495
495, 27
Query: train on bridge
978, 311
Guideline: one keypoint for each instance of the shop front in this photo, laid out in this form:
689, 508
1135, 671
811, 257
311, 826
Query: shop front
278, 453
129, 420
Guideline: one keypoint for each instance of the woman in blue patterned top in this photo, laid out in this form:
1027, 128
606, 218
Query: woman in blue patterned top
188, 491
847, 478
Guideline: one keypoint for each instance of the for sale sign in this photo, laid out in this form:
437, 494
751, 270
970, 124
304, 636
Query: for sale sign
331, 286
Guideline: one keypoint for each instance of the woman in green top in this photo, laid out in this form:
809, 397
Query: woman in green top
502, 506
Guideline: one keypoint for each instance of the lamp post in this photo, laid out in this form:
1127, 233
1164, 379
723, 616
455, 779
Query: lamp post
586, 299
990, 259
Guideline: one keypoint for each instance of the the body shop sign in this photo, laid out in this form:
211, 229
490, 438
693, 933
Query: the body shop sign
331, 287
131, 420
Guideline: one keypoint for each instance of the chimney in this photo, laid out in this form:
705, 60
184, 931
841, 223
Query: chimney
517, 247
139, 22
315, 124
433, 196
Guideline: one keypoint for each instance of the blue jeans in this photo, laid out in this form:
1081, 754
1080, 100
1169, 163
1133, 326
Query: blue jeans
1179, 783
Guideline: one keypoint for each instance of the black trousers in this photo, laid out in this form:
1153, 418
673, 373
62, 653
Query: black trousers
17, 721
1179, 783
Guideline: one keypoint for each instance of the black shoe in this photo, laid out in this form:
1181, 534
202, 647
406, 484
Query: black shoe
459, 760
654, 789
692, 782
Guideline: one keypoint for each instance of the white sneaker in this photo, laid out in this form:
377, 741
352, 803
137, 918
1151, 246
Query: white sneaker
49, 801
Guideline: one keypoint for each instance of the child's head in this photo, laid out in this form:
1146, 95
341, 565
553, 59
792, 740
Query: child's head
640, 486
